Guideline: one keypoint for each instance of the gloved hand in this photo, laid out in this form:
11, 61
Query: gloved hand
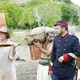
61, 59
50, 72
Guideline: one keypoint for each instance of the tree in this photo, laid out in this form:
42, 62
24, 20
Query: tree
12, 12
38, 12
69, 12
67, 1
45, 11
5, 0
52, 13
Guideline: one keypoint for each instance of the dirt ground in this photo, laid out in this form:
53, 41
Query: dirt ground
26, 70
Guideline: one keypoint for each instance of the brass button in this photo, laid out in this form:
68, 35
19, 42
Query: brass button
58, 49
64, 49
65, 44
66, 39
58, 45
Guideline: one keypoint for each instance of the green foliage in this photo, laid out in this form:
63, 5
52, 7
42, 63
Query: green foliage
67, 1
5, 0
69, 13
24, 15
66, 12
12, 12
49, 9
29, 10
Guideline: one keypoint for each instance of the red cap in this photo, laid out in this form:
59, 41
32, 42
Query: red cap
62, 23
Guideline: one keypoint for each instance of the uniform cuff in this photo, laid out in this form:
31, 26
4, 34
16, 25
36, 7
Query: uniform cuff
65, 56
50, 68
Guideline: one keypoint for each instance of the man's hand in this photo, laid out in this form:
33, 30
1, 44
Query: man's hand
37, 44
61, 59
15, 45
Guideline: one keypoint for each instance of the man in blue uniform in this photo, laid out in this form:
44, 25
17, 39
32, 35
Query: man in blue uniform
65, 50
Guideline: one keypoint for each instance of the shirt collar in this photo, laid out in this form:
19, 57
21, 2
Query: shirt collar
65, 36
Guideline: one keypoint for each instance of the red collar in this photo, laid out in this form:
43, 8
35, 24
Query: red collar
65, 36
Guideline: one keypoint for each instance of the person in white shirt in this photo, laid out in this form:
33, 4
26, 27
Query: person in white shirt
7, 53
44, 62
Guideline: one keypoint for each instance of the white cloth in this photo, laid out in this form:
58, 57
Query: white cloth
78, 78
42, 73
7, 67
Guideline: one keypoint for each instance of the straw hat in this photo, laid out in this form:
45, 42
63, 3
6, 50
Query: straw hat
2, 19
3, 27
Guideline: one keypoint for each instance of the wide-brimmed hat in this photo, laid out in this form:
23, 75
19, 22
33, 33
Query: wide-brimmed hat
2, 19
4, 29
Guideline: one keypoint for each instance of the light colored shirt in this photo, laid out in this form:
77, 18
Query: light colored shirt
7, 66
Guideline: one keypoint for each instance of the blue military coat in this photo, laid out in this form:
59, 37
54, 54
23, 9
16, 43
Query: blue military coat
61, 46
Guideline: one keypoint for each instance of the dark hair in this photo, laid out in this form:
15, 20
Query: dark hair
47, 34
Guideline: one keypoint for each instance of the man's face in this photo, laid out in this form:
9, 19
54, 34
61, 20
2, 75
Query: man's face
50, 37
59, 30
2, 35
